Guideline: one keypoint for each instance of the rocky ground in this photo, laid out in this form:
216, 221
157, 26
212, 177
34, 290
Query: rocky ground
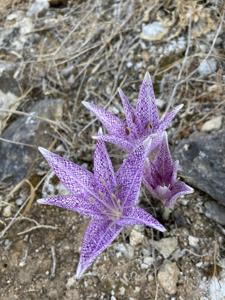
55, 54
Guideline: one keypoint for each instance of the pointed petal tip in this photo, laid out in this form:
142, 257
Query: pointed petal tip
147, 77
80, 271
42, 201
162, 228
179, 107
86, 104
42, 150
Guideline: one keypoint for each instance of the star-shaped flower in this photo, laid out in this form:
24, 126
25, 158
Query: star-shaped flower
109, 198
140, 122
160, 175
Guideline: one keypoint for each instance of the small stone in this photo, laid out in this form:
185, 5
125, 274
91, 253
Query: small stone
168, 277
70, 282
19, 201
193, 241
147, 262
166, 246
38, 8
213, 124
160, 103
129, 64
126, 250
154, 31
122, 291
136, 237
199, 264
207, 67
7, 211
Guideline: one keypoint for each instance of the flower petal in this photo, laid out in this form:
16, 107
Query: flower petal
74, 177
129, 177
128, 111
167, 119
111, 122
103, 169
75, 203
98, 237
179, 188
138, 216
120, 142
163, 164
146, 108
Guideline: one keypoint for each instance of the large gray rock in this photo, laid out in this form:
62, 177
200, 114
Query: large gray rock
17, 161
202, 158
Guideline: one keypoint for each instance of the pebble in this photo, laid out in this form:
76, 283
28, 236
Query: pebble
207, 67
38, 8
122, 291
126, 250
70, 282
7, 211
193, 241
147, 262
213, 124
153, 31
166, 246
168, 277
136, 237
160, 103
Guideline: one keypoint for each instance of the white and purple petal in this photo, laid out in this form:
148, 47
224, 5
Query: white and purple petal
103, 169
146, 109
98, 236
75, 178
178, 189
76, 203
118, 141
167, 119
138, 216
129, 177
111, 122
129, 114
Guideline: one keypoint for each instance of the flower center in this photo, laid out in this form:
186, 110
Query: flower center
112, 204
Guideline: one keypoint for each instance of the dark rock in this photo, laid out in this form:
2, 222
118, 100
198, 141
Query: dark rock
58, 3
215, 212
202, 158
17, 161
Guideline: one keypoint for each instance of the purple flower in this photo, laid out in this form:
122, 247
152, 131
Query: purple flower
109, 198
160, 175
140, 122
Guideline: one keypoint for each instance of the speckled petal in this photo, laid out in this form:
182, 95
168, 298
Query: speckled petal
111, 122
74, 203
129, 177
129, 112
146, 108
138, 216
103, 169
179, 188
166, 121
120, 142
98, 237
163, 163
75, 178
